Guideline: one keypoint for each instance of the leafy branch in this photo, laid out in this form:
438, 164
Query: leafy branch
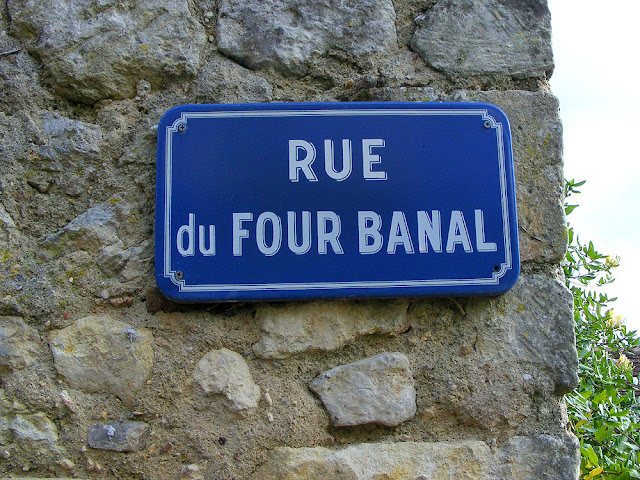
604, 410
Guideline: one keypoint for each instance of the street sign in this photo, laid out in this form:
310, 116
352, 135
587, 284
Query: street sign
334, 200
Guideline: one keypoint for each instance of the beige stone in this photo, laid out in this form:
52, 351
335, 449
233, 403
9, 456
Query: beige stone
226, 373
98, 353
538, 456
324, 326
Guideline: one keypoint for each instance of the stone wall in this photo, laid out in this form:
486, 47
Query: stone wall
101, 377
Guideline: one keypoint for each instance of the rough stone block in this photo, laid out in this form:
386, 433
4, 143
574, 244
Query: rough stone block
91, 232
537, 324
224, 81
374, 390
107, 56
285, 34
119, 436
112, 235
540, 456
66, 159
468, 37
35, 427
98, 353
225, 372
324, 326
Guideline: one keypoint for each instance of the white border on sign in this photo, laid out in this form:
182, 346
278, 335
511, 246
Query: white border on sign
248, 287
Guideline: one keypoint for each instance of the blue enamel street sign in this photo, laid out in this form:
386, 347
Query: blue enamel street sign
333, 200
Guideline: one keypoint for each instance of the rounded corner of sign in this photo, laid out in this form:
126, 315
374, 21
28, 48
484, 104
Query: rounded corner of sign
509, 280
496, 113
171, 115
168, 289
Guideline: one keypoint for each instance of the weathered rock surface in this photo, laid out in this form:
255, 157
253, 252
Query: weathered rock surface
224, 81
36, 427
19, 343
119, 436
538, 326
106, 56
109, 241
539, 456
31, 433
379, 390
91, 232
226, 373
20, 84
98, 353
69, 157
285, 34
467, 37
324, 326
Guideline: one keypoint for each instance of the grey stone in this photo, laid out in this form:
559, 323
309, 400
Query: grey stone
468, 37
34, 427
112, 234
20, 86
285, 34
91, 231
378, 389
67, 157
35, 434
224, 81
119, 436
98, 353
5, 434
69, 138
226, 373
541, 456
324, 326
538, 326
96, 50
19, 343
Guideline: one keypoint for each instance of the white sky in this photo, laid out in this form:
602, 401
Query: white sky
597, 79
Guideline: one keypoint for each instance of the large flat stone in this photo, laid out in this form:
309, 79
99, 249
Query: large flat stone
538, 456
96, 50
537, 324
378, 389
324, 326
470, 37
98, 353
285, 34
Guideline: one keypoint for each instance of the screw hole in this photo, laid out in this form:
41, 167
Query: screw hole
182, 128
487, 124
496, 268
179, 275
